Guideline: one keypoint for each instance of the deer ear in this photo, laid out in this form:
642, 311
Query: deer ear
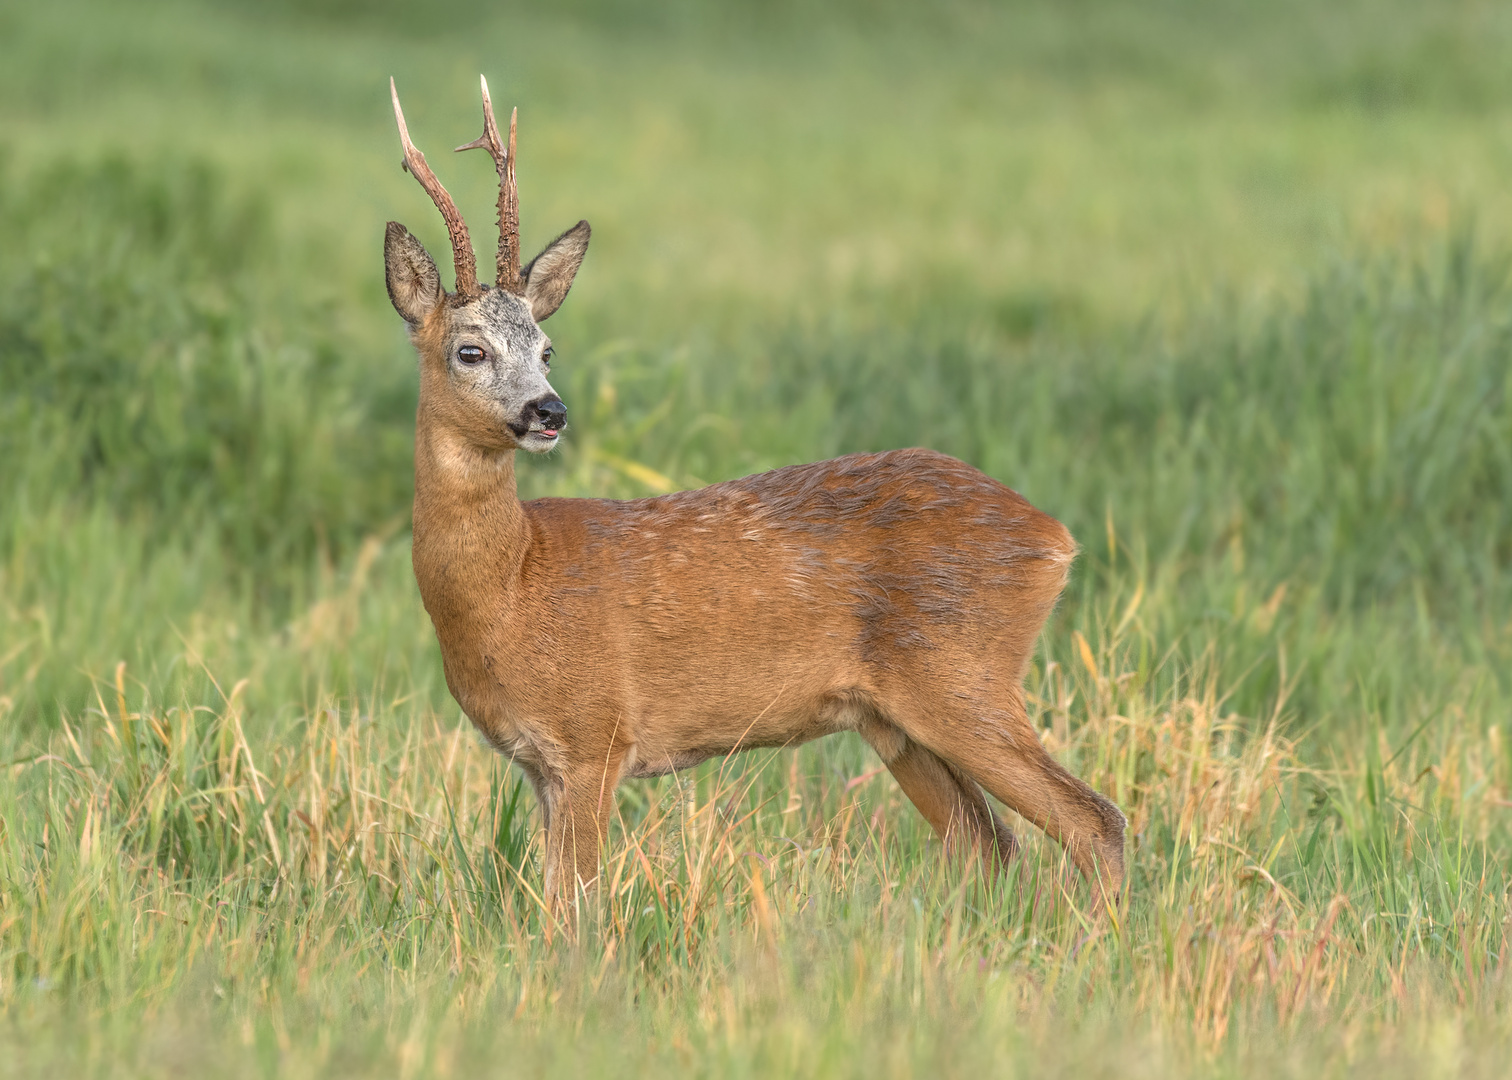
414, 286
550, 274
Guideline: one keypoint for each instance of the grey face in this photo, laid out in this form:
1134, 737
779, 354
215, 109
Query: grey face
497, 360
495, 355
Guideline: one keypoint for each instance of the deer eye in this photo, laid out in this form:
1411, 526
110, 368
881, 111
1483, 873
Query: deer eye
470, 354
547, 355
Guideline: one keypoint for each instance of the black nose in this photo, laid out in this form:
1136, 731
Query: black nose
552, 413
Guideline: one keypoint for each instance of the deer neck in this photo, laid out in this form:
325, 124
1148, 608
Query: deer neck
470, 529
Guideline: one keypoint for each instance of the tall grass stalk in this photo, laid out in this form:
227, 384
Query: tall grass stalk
772, 908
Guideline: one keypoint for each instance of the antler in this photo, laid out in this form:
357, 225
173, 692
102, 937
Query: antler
509, 196
414, 163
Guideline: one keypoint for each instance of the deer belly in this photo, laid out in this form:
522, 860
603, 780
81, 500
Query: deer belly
720, 709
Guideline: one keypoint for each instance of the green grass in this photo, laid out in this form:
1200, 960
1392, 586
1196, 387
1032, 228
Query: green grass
1225, 287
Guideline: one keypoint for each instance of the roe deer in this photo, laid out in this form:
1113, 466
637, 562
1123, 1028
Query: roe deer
897, 595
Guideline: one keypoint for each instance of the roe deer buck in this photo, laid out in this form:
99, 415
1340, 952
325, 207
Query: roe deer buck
897, 595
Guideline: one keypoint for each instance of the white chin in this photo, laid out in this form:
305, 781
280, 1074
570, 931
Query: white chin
538, 443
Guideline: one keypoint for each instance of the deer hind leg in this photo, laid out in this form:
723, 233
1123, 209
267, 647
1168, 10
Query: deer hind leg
1015, 767
993, 744
949, 800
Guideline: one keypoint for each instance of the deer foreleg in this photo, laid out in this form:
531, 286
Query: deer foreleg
578, 806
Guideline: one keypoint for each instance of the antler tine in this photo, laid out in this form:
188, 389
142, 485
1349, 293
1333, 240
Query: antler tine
509, 197
509, 205
463, 258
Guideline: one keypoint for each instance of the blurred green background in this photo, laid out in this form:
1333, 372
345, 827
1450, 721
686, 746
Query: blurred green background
1226, 280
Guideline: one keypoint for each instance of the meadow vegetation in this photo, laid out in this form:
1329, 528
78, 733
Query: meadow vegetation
1225, 287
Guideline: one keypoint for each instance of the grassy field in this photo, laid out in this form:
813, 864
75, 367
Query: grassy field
1226, 287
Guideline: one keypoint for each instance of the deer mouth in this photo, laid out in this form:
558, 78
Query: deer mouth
535, 436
